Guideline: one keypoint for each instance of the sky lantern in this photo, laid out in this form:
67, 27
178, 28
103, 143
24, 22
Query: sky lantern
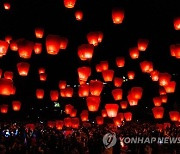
83, 90
51, 124
100, 36
41, 70
120, 116
39, 32
142, 44
54, 94
73, 112
158, 112
104, 65
14, 45
120, 61
95, 87
98, 68
40, 93
118, 82
134, 53
85, 51
132, 101
177, 23
62, 84
43, 76
3, 48
108, 75
123, 104
103, 113
164, 98
68, 92
84, 115
93, 103
79, 15
68, 108
177, 51
154, 75
146, 66
75, 123
23, 68
157, 101
92, 38
131, 75
59, 124
25, 48
37, 48
172, 50
117, 121
16, 105
8, 75
99, 120
117, 15
164, 79
7, 6
170, 88
52, 44
174, 115
67, 122
69, 3
1, 72
63, 43
8, 38
128, 116
162, 91
13, 92
137, 92
112, 110
117, 94
84, 73
4, 108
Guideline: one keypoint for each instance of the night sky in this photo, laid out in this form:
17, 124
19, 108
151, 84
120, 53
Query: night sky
150, 19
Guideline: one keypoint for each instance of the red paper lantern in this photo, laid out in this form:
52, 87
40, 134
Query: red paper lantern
128, 116
41, 70
142, 44
104, 113
54, 94
3, 48
170, 88
23, 68
112, 109
136, 92
4, 108
52, 44
93, 103
108, 75
84, 115
43, 76
39, 32
38, 48
40, 93
123, 104
117, 15
117, 121
14, 45
63, 43
85, 51
69, 3
121, 116
95, 87
98, 68
157, 101
62, 84
146, 66
99, 120
120, 61
68, 108
6, 87
177, 23
158, 112
118, 82
177, 51
73, 113
8, 38
131, 75
164, 98
174, 115
132, 101
84, 73
51, 124
1, 72
83, 90
16, 105
154, 75
117, 94
7, 6
134, 53
75, 123
59, 124
67, 122
8, 75
162, 91
92, 38
79, 15
164, 79
104, 65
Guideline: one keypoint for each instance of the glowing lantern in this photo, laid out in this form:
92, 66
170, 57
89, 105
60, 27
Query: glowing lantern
164, 79
146, 66
170, 88
93, 103
100, 37
123, 104
177, 51
68, 108
95, 87
131, 75
84, 73
117, 94
7, 6
174, 115
121, 116
98, 68
162, 91
75, 123
136, 92
63, 43
83, 90
154, 75
68, 92
173, 50
38, 48
79, 15
112, 109
43, 76
3, 48
132, 101
177, 23
85, 51
108, 75
0, 72
99, 120
23, 68
117, 121
67, 122
62, 84
73, 113
59, 124
40, 93
118, 82
157, 101
104, 65
104, 113
6, 87
164, 98
92, 38
51, 124
134, 53
8, 38
39, 32
14, 45
142, 44
8, 75
81, 82
54, 94
128, 116
4, 108
84, 115
16, 105
69, 3
120, 61
52, 44
158, 112
167, 125
41, 70
117, 15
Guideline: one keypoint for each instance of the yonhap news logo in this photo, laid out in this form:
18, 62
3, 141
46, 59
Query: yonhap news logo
109, 140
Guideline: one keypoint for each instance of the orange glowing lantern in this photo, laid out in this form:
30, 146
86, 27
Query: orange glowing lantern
134, 53
121, 116
174, 115
3, 48
14, 45
173, 50
41, 70
104, 65
99, 120
164, 79
85, 51
164, 98
84, 73
8, 75
39, 32
120, 61
79, 15
104, 113
108, 75
63, 43
43, 76
54, 94
68, 92
23, 68
83, 90
59, 124
95, 87
98, 68
6, 87
123, 104
158, 112
112, 110
52, 44
67, 122
73, 113
93, 103
177, 23
131, 75
62, 84
38, 48
92, 38
154, 75
142, 44
16, 105
100, 37
118, 82
117, 94
132, 101
146, 66
157, 101
8, 38
137, 92
4, 108
177, 51
40, 93
7, 6
117, 121
117, 15
128, 116
84, 115
162, 91
69, 3
51, 124
170, 88
68, 108
75, 123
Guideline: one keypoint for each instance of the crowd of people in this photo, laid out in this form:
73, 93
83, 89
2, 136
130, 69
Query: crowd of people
88, 139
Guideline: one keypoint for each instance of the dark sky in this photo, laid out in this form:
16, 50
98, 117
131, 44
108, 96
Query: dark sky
149, 19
